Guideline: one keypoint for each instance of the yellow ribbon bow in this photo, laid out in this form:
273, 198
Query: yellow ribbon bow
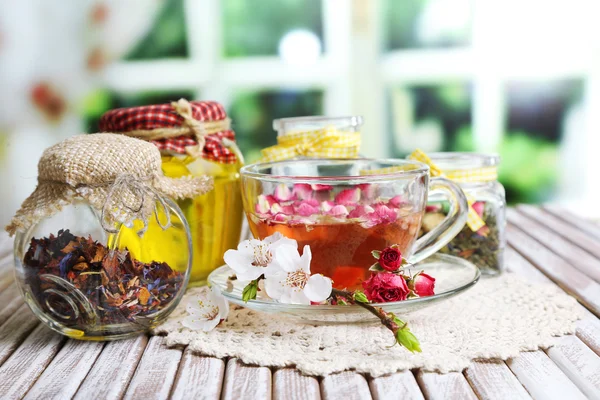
483, 174
323, 143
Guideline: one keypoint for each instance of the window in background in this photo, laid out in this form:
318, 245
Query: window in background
432, 118
253, 113
255, 28
101, 101
167, 38
543, 124
426, 23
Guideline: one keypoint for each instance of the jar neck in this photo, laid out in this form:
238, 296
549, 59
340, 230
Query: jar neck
287, 126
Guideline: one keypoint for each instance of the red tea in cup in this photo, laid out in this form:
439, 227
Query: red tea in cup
342, 250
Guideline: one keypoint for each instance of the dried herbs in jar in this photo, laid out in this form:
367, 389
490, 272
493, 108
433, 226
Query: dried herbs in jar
482, 240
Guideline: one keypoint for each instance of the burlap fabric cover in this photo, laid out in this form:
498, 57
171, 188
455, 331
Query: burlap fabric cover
115, 174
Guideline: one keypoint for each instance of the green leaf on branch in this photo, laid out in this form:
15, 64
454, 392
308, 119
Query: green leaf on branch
406, 338
250, 290
359, 297
376, 267
376, 254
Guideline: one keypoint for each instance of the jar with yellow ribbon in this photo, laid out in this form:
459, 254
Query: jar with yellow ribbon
315, 137
482, 240
194, 139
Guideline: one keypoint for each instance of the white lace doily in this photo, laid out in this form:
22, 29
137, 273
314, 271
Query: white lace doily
496, 319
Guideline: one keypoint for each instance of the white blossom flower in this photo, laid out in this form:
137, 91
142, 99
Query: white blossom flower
254, 258
206, 311
293, 283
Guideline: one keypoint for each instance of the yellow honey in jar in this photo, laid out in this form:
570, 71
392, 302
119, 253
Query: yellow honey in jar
215, 218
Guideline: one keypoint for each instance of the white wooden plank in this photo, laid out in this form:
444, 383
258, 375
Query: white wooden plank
68, 369
8, 295
27, 363
11, 308
6, 244
198, 377
156, 371
579, 258
445, 386
494, 380
567, 216
113, 369
399, 385
560, 271
568, 231
7, 277
588, 330
345, 385
542, 378
579, 363
289, 383
14, 331
246, 382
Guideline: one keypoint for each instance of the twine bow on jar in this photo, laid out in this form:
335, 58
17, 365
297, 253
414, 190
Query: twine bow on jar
121, 198
481, 174
323, 143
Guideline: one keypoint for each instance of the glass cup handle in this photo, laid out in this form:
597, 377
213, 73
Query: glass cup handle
449, 227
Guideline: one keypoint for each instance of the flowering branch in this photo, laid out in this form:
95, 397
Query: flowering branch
399, 328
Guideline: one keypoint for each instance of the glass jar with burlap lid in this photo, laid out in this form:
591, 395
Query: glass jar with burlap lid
483, 239
195, 139
85, 250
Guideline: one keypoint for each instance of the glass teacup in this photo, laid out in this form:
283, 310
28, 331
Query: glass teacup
345, 208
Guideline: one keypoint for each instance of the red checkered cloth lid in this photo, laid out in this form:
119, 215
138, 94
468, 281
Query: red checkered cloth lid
163, 116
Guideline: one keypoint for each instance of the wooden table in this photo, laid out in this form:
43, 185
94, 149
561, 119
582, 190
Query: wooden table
546, 245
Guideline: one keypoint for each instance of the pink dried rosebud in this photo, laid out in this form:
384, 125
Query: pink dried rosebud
279, 209
385, 287
302, 190
338, 211
348, 197
280, 218
262, 207
396, 201
478, 207
423, 284
360, 211
306, 210
381, 215
317, 187
326, 206
433, 208
283, 193
390, 259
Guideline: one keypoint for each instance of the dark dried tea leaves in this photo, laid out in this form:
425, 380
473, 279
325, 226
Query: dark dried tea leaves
118, 286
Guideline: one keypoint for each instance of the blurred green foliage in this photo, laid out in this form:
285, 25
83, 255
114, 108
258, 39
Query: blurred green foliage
167, 38
253, 114
254, 28
400, 26
528, 169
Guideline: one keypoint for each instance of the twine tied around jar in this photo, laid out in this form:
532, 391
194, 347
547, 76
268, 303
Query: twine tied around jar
481, 174
142, 191
118, 176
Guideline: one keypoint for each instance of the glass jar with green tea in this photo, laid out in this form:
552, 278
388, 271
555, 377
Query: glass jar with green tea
315, 137
195, 139
483, 239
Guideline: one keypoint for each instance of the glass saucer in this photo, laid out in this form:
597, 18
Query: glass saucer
452, 275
